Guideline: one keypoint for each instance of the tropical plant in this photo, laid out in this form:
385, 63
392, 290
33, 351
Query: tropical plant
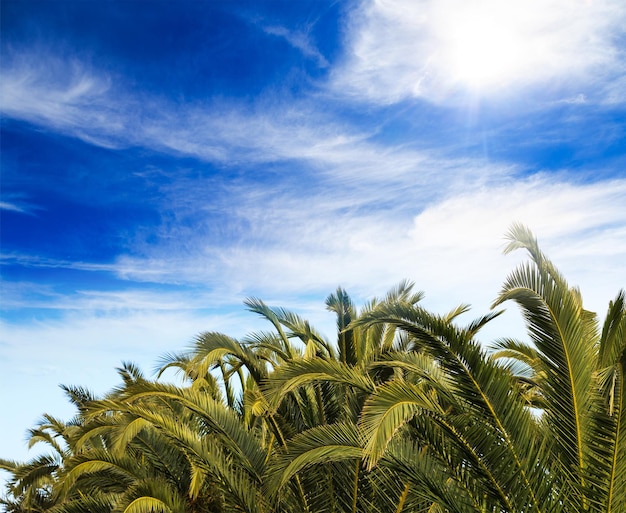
405, 411
481, 435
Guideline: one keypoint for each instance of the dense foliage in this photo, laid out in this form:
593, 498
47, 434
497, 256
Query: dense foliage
405, 411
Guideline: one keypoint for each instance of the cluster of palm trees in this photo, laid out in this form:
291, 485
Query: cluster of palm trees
404, 412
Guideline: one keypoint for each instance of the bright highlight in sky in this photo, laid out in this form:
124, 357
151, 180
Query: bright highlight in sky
482, 51
487, 45
435, 49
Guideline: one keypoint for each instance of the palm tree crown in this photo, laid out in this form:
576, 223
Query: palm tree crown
404, 411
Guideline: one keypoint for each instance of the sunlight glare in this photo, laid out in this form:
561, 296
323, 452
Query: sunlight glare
484, 45
482, 53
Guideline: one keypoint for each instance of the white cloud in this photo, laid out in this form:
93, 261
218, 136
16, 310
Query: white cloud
73, 98
42, 261
299, 40
451, 247
4, 205
581, 227
358, 209
62, 94
442, 49
13, 202
363, 234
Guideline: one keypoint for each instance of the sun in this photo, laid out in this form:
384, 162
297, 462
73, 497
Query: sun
482, 54
484, 46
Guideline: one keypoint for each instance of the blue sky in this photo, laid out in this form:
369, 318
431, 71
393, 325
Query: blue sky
161, 161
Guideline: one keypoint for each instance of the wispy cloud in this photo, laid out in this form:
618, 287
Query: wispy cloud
352, 203
84, 103
50, 263
299, 40
284, 240
451, 247
12, 207
16, 202
437, 50
73, 97
62, 94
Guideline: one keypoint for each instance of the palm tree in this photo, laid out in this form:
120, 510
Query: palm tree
577, 368
31, 485
405, 411
144, 447
151, 446
477, 434
327, 454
